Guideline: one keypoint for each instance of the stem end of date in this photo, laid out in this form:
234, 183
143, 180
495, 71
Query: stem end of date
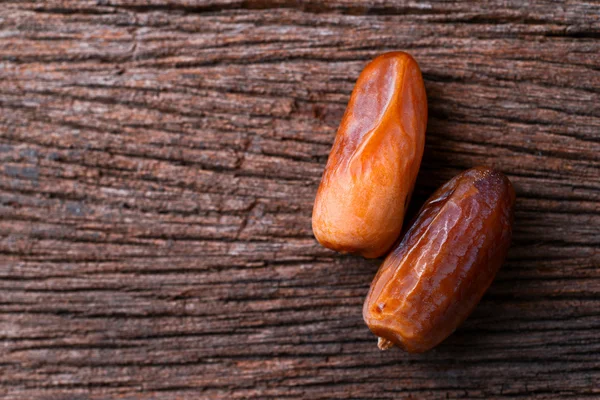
384, 344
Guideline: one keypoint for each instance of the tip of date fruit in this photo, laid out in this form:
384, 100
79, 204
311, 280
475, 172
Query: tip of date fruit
384, 344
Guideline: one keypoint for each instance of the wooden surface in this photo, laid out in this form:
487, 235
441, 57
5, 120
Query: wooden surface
159, 164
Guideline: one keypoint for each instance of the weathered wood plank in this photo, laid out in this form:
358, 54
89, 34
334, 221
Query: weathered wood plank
159, 161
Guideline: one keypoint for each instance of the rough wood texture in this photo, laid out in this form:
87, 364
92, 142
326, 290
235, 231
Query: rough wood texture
159, 163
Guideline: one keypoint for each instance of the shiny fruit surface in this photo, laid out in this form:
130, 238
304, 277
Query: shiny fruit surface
429, 284
373, 165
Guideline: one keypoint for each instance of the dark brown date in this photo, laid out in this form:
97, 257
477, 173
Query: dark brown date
429, 284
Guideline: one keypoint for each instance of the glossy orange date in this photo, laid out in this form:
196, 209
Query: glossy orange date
430, 283
373, 165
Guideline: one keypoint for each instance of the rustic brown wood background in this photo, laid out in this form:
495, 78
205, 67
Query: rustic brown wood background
159, 163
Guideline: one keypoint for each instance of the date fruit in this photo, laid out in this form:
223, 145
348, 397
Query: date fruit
429, 284
373, 165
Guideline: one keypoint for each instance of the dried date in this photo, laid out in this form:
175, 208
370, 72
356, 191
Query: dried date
430, 283
373, 165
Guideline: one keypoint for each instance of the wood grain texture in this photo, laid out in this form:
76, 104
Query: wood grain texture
159, 161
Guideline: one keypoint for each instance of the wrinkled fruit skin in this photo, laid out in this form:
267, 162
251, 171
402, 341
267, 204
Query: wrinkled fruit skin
430, 283
375, 158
